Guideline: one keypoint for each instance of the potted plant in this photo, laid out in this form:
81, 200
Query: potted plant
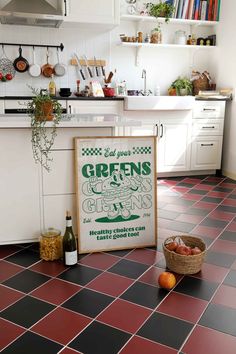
43, 108
183, 86
162, 9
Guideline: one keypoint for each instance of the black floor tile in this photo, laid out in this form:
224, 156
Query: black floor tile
166, 214
80, 274
211, 183
220, 259
128, 268
198, 191
228, 235
229, 180
181, 226
232, 196
161, 263
231, 279
26, 281
88, 302
166, 330
214, 223
220, 318
197, 211
213, 200
202, 289
31, 343
144, 294
222, 189
99, 338
185, 184
227, 209
120, 253
208, 240
27, 311
24, 258
161, 205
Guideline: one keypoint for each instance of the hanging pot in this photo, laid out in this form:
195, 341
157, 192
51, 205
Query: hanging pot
34, 69
47, 69
21, 64
59, 68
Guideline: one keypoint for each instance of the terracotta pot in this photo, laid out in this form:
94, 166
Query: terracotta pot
46, 110
109, 91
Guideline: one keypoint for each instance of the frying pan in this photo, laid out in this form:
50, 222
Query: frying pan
21, 64
34, 69
59, 68
47, 69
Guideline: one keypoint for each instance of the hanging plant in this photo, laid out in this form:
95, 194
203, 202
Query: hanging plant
162, 9
43, 108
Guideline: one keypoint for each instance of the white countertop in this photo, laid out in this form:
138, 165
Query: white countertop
159, 103
70, 121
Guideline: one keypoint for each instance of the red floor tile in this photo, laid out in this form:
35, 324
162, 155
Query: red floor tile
193, 219
221, 215
205, 205
217, 194
176, 208
69, 351
230, 202
224, 247
7, 270
231, 226
192, 180
193, 196
151, 276
167, 182
212, 272
49, 268
228, 185
9, 332
111, 284
163, 223
144, 256
56, 291
209, 341
180, 190
61, 325
184, 307
8, 296
233, 265
204, 187
226, 296
124, 315
99, 260
8, 250
211, 232
138, 345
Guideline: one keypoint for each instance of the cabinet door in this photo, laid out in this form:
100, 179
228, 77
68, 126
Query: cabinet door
93, 11
206, 153
144, 130
19, 188
173, 150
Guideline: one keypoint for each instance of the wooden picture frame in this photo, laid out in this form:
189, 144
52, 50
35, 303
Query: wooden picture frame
116, 194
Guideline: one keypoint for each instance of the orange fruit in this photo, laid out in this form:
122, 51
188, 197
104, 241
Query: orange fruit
166, 280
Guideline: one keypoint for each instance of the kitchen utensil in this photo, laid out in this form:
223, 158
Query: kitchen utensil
47, 69
96, 67
20, 63
59, 68
6, 66
34, 69
79, 66
108, 80
103, 71
87, 66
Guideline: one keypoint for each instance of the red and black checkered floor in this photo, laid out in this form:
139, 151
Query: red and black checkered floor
110, 302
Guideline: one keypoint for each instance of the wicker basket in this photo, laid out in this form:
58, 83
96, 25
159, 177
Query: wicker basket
182, 264
200, 84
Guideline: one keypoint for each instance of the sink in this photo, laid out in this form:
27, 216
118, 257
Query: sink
166, 103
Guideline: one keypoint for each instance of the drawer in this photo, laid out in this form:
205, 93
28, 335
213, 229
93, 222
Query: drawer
206, 153
209, 109
203, 127
96, 107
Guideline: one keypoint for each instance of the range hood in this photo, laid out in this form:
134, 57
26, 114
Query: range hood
45, 13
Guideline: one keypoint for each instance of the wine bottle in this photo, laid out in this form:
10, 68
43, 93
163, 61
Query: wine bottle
70, 254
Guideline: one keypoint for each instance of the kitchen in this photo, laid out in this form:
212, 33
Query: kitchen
96, 33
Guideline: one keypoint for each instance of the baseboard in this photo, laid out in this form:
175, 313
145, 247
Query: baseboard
185, 173
229, 174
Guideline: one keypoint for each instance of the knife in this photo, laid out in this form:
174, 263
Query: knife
79, 66
87, 66
96, 67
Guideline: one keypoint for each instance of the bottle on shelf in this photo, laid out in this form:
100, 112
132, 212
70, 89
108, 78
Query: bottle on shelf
70, 254
52, 87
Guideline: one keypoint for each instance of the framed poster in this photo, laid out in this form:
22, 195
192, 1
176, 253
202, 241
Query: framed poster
116, 193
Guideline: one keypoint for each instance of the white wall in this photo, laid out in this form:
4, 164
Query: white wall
162, 65
226, 77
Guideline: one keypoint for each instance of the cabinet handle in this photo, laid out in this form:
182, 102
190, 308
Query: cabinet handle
161, 135
209, 109
69, 109
157, 130
65, 7
207, 144
208, 127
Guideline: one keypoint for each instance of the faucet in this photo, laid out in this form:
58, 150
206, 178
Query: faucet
144, 76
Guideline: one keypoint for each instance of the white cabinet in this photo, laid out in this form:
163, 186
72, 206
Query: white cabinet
95, 107
104, 12
207, 135
19, 188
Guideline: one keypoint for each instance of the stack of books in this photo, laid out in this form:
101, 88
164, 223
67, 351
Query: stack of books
219, 94
205, 10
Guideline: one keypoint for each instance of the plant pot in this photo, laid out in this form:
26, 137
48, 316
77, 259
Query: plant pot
183, 92
46, 111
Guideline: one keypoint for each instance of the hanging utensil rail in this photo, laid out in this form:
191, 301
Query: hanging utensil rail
61, 46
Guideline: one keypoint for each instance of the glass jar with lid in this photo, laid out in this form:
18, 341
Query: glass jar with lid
50, 244
180, 37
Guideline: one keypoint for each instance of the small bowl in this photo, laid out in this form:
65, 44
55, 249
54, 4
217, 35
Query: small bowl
65, 93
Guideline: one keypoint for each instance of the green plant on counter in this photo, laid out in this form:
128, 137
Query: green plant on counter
183, 86
41, 109
162, 9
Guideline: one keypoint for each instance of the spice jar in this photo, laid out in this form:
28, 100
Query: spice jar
156, 35
50, 244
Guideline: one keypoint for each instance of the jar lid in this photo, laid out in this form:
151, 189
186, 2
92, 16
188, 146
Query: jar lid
51, 232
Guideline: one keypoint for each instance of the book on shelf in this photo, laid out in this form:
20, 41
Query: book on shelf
197, 8
180, 9
218, 10
190, 9
185, 9
203, 10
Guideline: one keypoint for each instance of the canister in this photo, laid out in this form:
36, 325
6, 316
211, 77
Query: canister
50, 244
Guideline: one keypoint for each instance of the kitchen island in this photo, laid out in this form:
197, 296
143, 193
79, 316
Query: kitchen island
31, 198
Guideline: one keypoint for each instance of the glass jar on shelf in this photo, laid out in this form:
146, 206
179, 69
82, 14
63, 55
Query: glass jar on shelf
180, 37
156, 35
50, 244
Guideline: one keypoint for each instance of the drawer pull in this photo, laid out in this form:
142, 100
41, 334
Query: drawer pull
157, 130
209, 109
207, 144
208, 127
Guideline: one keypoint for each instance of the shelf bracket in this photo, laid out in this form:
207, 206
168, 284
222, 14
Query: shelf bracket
137, 56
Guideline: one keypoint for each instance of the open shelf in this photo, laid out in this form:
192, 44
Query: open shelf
140, 18
154, 45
